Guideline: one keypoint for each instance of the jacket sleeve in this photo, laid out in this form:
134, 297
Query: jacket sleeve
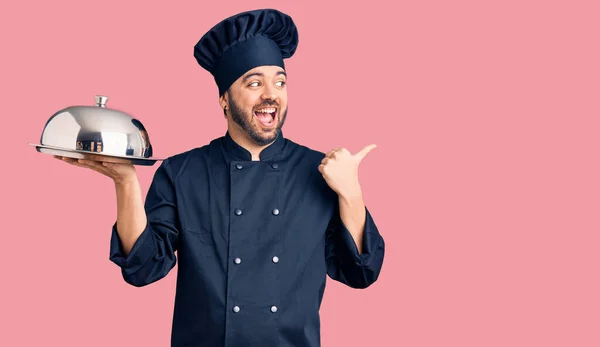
344, 263
153, 254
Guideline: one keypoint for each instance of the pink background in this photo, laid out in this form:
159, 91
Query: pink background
485, 182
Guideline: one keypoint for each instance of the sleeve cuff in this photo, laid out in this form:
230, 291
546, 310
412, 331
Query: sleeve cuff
371, 242
143, 249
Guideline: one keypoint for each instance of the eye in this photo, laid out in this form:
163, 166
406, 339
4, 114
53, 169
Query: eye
253, 84
280, 83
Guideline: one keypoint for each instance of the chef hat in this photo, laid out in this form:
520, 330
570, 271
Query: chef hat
244, 41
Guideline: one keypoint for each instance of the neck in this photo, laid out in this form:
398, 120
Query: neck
241, 138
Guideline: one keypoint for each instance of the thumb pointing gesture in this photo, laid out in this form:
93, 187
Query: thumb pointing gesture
363, 152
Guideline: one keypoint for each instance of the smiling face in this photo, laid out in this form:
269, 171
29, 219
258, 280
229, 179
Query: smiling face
257, 104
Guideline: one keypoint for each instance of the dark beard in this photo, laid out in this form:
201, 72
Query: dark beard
245, 122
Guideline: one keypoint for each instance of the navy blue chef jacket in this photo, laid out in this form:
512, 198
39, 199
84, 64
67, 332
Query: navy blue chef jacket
254, 242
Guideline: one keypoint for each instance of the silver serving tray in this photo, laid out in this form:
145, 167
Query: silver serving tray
95, 156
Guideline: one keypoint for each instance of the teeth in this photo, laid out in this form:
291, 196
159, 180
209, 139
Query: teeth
266, 110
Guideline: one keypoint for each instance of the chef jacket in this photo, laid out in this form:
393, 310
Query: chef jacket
253, 242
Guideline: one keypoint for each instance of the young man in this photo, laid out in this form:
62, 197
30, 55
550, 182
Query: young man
256, 220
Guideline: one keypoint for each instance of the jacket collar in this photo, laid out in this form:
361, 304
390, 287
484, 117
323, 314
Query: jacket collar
237, 152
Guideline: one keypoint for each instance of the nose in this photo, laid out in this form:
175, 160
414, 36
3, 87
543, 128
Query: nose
269, 93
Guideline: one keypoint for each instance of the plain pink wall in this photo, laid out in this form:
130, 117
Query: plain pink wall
485, 182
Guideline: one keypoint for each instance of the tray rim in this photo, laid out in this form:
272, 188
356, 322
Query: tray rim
133, 159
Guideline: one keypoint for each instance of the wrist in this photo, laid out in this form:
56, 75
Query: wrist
123, 182
351, 196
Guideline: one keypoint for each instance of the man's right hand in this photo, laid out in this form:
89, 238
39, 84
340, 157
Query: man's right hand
119, 172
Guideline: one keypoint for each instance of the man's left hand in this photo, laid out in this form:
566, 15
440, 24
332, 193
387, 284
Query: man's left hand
340, 170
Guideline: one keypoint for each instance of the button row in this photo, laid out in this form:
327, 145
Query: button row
239, 260
237, 309
238, 212
240, 166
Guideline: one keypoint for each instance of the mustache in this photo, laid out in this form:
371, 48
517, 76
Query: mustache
267, 104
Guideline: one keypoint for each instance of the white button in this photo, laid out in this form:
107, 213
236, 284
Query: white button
237, 260
275, 259
236, 309
273, 309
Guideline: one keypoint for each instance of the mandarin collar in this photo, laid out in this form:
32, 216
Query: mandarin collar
238, 152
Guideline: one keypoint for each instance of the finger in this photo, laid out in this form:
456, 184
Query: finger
77, 162
103, 167
100, 166
83, 164
332, 154
333, 151
72, 161
93, 168
363, 152
86, 164
321, 168
91, 163
325, 160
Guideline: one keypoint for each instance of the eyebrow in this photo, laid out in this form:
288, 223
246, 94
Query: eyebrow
261, 74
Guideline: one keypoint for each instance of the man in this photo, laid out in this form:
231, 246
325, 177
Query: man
256, 220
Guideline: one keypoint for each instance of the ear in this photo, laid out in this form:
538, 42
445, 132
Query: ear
223, 100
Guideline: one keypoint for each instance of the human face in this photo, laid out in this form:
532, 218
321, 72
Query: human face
257, 103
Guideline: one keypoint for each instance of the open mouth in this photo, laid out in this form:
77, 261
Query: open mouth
266, 116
